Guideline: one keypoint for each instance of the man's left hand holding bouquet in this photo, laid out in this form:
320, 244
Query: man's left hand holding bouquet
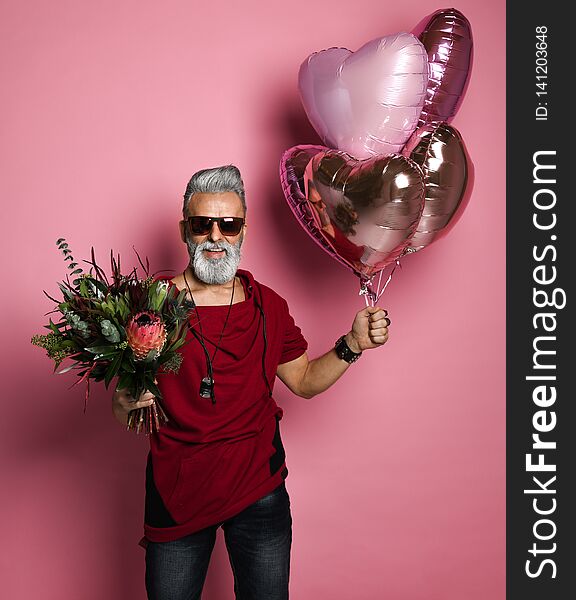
123, 403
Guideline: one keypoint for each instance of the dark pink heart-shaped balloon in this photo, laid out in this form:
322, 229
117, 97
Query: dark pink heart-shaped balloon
447, 37
367, 102
448, 172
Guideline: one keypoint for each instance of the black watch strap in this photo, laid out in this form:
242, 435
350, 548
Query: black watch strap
343, 351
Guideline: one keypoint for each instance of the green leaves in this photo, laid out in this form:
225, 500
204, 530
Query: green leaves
67, 292
64, 248
151, 386
157, 294
109, 331
102, 351
121, 308
77, 323
113, 368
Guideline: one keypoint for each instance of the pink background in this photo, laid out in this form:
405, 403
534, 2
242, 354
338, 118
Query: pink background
397, 473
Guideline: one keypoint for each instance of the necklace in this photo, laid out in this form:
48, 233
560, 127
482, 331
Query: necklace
207, 383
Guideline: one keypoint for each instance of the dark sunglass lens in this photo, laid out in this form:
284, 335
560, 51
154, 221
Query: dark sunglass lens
200, 225
230, 226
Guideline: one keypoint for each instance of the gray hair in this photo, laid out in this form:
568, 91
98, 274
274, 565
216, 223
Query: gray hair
215, 181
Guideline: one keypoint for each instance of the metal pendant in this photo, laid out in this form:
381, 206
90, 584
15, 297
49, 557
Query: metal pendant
207, 387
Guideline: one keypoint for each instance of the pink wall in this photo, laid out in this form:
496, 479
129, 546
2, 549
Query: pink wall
396, 473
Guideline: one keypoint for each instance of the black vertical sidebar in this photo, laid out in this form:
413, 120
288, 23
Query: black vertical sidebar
541, 336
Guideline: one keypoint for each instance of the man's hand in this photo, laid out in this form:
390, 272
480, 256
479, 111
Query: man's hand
369, 330
123, 403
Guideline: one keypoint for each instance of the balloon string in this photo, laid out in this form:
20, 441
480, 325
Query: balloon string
378, 292
366, 299
371, 297
378, 286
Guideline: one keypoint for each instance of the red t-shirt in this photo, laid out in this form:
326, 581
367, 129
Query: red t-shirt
212, 460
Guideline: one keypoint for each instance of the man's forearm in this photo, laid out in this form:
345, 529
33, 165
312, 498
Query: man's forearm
323, 371
307, 378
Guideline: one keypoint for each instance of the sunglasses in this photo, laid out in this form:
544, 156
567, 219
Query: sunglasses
227, 225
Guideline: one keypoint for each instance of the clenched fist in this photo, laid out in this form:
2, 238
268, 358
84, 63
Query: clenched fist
369, 329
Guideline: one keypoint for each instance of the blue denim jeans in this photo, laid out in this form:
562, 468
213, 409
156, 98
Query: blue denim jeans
258, 541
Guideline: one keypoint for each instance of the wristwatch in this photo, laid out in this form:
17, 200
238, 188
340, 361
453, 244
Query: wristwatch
343, 351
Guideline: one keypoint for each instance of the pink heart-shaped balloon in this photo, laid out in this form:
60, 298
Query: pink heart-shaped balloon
368, 102
447, 37
292, 166
362, 212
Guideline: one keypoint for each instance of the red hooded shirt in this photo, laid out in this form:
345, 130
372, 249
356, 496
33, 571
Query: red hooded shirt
213, 459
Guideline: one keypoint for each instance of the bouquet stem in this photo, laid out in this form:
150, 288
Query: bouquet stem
147, 420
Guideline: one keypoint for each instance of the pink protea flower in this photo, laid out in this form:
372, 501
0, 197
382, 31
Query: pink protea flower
145, 332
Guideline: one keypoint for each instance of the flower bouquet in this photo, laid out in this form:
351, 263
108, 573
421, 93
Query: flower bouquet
127, 326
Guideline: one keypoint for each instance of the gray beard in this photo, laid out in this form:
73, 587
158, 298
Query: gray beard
214, 271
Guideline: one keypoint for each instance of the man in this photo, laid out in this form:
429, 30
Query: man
219, 461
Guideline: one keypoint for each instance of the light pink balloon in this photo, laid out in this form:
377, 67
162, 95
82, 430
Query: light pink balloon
368, 102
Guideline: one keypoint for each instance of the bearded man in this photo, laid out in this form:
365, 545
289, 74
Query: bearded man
219, 460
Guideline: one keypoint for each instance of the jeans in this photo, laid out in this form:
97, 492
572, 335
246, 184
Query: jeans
258, 541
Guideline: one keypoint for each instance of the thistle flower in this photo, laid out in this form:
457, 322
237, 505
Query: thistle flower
145, 332
172, 365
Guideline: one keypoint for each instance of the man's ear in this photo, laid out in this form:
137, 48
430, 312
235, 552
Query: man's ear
182, 226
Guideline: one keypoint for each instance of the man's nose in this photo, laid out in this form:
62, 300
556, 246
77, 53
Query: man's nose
215, 233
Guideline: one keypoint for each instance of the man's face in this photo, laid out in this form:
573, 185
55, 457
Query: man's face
214, 257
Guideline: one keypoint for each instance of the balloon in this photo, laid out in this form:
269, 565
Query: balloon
367, 102
447, 37
448, 177
366, 210
292, 166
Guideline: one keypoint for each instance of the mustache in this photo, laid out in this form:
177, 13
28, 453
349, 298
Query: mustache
220, 245
207, 245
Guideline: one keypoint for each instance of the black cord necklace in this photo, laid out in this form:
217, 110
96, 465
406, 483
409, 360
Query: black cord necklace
207, 383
